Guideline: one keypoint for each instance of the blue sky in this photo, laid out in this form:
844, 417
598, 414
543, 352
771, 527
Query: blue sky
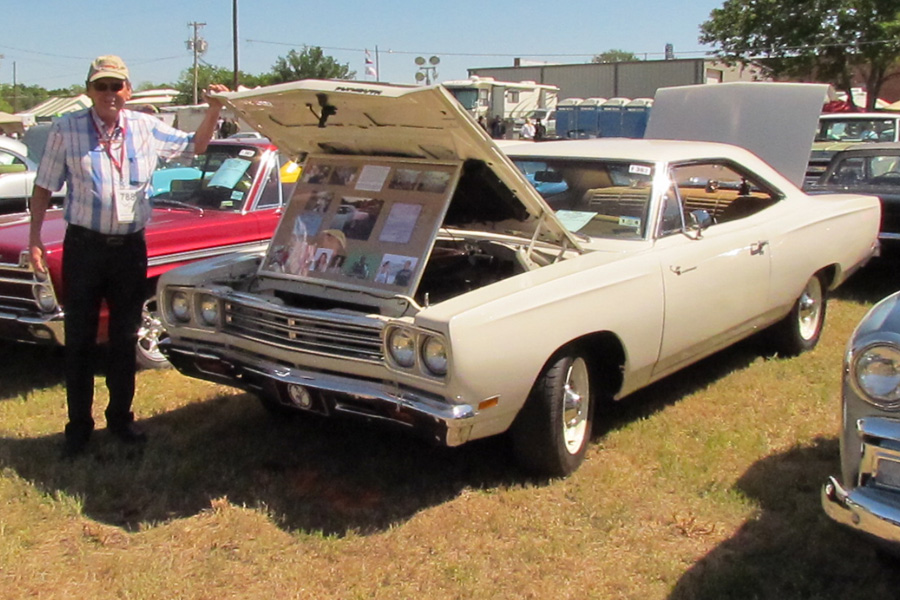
52, 42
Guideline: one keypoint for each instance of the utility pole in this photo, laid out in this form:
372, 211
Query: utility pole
198, 45
234, 18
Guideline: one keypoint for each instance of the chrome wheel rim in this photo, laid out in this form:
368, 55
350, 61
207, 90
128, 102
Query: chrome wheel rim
810, 309
150, 333
576, 399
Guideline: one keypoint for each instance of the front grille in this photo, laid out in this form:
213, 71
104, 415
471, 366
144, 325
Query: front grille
17, 282
356, 338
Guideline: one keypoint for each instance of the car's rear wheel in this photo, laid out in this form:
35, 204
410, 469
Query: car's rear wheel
800, 330
150, 334
552, 431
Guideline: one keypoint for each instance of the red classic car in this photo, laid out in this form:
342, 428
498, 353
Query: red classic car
225, 200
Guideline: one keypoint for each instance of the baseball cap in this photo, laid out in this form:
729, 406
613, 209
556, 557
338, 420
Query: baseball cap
107, 66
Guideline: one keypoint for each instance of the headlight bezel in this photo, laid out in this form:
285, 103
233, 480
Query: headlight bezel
416, 360
888, 398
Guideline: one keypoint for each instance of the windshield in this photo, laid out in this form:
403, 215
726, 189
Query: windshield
467, 97
877, 170
219, 179
856, 130
608, 199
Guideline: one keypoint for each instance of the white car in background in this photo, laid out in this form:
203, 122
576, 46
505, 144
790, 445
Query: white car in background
465, 305
17, 172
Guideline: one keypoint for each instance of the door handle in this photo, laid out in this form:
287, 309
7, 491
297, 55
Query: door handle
758, 247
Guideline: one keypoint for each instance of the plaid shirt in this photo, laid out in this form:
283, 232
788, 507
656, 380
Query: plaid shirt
74, 155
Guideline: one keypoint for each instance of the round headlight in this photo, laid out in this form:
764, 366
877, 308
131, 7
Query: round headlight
181, 306
209, 310
877, 373
402, 346
434, 355
45, 298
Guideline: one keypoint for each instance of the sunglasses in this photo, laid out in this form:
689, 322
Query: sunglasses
102, 87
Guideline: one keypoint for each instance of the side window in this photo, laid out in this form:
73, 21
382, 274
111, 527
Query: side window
722, 190
270, 196
10, 163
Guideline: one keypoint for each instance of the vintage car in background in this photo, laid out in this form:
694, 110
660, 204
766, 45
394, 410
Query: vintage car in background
866, 497
840, 131
18, 168
457, 303
868, 169
228, 199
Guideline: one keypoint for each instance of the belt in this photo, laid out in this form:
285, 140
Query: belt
108, 239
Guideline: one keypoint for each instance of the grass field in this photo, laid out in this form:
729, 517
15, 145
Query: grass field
705, 486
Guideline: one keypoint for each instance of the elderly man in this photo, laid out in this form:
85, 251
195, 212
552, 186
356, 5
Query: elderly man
105, 154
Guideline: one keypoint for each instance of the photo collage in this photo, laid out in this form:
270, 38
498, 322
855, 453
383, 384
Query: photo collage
361, 222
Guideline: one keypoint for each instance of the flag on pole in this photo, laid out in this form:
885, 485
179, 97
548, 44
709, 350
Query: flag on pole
370, 65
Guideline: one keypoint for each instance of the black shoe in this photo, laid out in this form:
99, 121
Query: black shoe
129, 433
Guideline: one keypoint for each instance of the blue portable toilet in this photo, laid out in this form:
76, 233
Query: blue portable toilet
635, 117
610, 117
587, 124
566, 115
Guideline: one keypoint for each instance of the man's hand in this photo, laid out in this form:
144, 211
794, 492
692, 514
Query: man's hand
37, 256
214, 88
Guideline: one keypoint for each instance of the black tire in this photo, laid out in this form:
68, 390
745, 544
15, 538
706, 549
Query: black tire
150, 334
551, 433
800, 330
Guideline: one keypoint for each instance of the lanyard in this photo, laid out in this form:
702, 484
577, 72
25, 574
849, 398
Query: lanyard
106, 143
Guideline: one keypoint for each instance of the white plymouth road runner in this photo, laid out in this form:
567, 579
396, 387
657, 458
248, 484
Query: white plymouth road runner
421, 276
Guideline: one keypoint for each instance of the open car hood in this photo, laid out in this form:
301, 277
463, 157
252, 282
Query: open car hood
367, 119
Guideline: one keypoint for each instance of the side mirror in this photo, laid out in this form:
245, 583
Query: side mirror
699, 220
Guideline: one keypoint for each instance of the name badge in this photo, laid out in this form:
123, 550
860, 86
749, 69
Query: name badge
127, 199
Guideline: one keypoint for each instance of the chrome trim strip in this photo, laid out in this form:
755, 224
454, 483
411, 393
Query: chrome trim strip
206, 253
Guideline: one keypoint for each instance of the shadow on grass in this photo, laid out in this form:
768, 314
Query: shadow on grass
25, 367
311, 474
791, 550
879, 278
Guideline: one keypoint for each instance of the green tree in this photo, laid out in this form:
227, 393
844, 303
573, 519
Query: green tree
829, 40
612, 56
310, 63
207, 74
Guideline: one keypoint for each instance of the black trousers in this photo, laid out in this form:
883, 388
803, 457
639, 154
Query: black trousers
98, 268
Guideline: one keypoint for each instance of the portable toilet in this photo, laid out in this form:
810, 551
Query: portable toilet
587, 123
610, 117
566, 114
635, 117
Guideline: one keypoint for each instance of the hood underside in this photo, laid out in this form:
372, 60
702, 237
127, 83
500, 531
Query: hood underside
313, 117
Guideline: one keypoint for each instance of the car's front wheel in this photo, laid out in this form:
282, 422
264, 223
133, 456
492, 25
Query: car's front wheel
800, 330
551, 433
150, 333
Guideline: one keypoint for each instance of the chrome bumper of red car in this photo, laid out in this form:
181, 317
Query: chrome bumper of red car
47, 329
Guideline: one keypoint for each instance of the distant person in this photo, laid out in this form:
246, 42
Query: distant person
527, 132
498, 128
104, 251
540, 132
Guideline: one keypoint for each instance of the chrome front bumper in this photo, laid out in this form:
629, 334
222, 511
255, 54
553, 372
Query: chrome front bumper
872, 507
867, 510
45, 329
334, 393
